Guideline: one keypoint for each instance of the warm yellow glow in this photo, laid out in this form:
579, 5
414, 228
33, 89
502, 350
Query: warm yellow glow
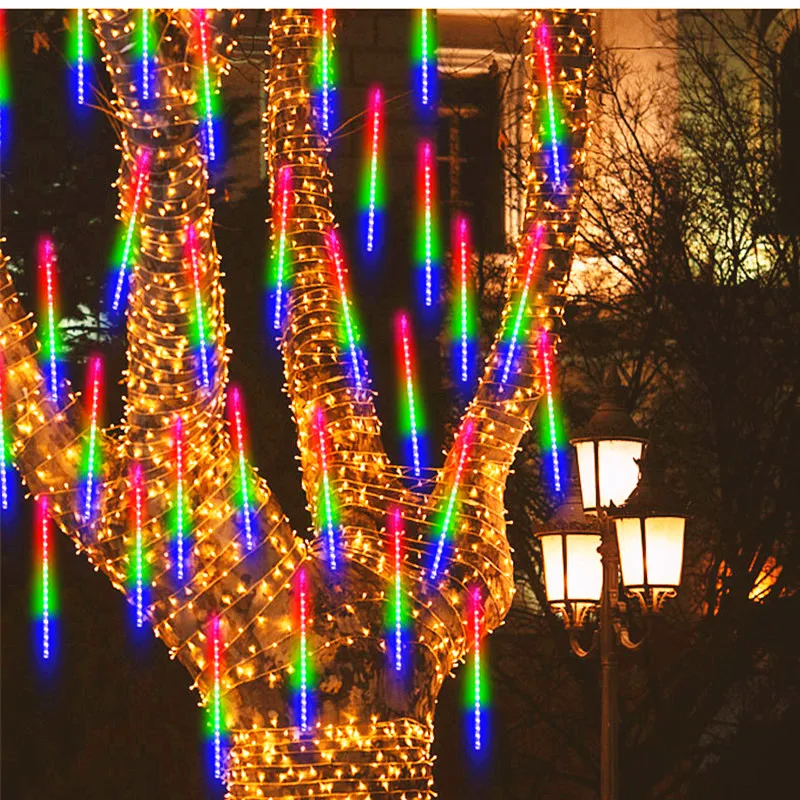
619, 472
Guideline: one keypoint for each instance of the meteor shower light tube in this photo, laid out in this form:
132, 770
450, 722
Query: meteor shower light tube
352, 342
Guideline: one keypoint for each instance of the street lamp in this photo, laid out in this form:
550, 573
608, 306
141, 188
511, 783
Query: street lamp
640, 534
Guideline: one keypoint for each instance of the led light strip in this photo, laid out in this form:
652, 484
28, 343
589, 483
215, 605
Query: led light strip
551, 414
216, 649
81, 55
201, 16
466, 436
4, 496
428, 200
180, 528
48, 269
330, 527
424, 62
410, 393
335, 247
463, 249
523, 301
303, 650
375, 114
138, 514
476, 655
284, 189
548, 74
96, 372
44, 532
5, 84
191, 241
145, 54
397, 535
325, 72
142, 171
239, 446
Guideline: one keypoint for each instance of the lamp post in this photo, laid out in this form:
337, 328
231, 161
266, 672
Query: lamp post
639, 530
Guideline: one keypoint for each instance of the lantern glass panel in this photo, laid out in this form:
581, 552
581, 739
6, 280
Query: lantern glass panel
585, 453
619, 472
553, 558
664, 541
631, 557
584, 568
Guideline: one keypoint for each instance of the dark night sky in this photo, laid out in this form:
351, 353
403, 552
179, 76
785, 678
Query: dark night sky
116, 719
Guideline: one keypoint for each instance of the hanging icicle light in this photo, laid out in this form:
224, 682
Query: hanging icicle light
553, 428
303, 670
142, 176
397, 535
427, 239
450, 514
411, 419
180, 501
207, 93
145, 53
553, 123
78, 51
425, 63
281, 200
137, 504
476, 614
5, 90
463, 318
5, 438
371, 201
325, 72
216, 713
513, 333
92, 465
48, 292
45, 594
327, 509
199, 311
239, 436
351, 331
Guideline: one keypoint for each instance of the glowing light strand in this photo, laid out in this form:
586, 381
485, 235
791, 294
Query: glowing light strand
191, 241
138, 567
145, 54
303, 650
239, 446
425, 66
48, 269
428, 211
209, 112
328, 521
375, 113
523, 301
466, 436
217, 697
477, 739
326, 77
180, 500
4, 493
5, 87
547, 351
44, 532
284, 190
463, 250
81, 56
397, 531
408, 372
142, 172
548, 75
352, 335
96, 371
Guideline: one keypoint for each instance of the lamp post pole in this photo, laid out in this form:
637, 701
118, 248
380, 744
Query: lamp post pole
609, 557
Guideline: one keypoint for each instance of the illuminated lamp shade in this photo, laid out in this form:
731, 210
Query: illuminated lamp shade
573, 573
608, 450
650, 531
